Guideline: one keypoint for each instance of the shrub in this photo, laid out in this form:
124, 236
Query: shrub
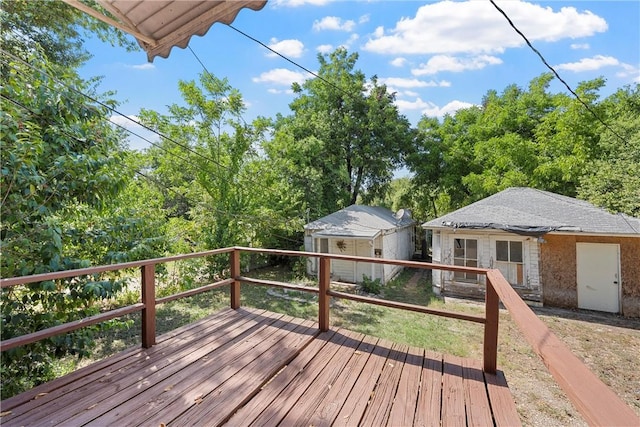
371, 286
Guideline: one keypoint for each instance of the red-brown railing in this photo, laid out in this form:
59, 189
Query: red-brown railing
598, 404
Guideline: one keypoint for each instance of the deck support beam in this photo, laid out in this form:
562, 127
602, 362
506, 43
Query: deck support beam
149, 300
492, 315
234, 261
324, 274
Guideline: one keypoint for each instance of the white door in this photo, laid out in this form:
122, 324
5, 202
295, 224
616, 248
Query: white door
364, 248
598, 276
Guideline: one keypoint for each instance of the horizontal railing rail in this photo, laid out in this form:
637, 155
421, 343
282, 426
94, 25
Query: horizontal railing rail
598, 404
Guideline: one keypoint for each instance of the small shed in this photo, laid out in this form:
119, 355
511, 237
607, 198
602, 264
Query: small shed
553, 249
359, 230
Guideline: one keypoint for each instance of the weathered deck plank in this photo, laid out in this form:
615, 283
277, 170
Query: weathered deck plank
406, 399
248, 366
328, 408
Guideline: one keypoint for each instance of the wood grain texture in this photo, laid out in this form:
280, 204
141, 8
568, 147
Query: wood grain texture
251, 367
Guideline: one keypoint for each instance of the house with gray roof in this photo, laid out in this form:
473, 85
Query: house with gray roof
358, 230
553, 249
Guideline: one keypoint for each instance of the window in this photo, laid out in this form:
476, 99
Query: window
465, 253
324, 246
509, 260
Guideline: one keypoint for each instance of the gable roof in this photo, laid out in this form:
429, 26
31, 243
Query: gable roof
529, 211
359, 221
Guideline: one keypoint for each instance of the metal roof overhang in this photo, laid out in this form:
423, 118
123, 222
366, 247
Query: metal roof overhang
159, 25
346, 234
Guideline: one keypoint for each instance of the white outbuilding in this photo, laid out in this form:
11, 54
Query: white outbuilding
358, 230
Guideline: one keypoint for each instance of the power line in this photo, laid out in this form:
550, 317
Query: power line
210, 76
544, 61
184, 146
113, 110
290, 61
263, 220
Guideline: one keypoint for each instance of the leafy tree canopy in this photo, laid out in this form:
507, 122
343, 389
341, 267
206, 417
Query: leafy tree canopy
344, 139
55, 27
530, 138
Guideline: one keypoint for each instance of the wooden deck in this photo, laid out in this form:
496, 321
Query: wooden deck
249, 367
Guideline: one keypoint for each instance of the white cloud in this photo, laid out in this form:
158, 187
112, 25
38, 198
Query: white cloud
279, 91
145, 66
430, 109
297, 3
410, 93
281, 77
325, 48
333, 23
378, 32
439, 63
364, 19
589, 64
126, 122
434, 111
577, 46
292, 48
476, 27
412, 83
398, 62
352, 39
418, 104
629, 71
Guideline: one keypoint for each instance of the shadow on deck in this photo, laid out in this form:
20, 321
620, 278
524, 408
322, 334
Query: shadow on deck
249, 367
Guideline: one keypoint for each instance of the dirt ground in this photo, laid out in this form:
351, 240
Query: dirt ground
608, 344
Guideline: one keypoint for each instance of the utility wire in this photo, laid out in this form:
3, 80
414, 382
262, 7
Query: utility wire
263, 220
211, 76
113, 110
184, 146
290, 60
544, 61
213, 208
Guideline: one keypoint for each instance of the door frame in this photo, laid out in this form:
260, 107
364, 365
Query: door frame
618, 271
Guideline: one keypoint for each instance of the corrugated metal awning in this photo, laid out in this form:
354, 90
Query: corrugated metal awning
159, 25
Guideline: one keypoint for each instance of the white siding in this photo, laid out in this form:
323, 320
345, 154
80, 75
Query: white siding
311, 262
364, 248
436, 258
443, 254
396, 245
342, 271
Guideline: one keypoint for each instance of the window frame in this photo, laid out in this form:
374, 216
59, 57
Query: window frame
459, 276
513, 271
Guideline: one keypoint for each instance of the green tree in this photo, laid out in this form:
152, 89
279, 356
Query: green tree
55, 27
613, 179
516, 138
62, 177
202, 163
62, 168
344, 139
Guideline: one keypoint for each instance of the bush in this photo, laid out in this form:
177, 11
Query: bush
371, 286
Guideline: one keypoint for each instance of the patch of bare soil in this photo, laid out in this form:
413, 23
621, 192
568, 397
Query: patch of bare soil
608, 344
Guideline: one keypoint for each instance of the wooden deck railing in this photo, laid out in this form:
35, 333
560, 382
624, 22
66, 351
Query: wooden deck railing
598, 404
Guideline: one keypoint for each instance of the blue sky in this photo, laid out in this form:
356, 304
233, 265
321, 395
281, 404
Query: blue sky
437, 56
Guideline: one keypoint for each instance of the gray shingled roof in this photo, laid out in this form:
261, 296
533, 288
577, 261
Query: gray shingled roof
358, 221
517, 208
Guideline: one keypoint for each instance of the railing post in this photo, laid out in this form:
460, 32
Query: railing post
234, 261
492, 316
149, 300
324, 277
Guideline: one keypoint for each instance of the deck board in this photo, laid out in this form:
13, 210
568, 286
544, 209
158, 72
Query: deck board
247, 366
